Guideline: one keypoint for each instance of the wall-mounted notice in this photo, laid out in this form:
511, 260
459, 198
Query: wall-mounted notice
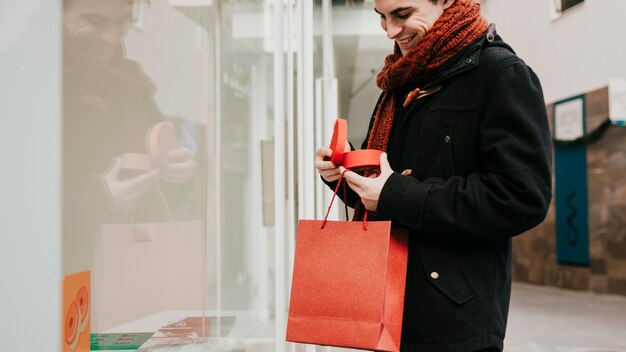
569, 119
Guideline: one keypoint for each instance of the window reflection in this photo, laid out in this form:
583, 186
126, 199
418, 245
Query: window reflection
160, 230
131, 207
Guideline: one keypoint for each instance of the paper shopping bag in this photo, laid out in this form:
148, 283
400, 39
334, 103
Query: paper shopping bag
348, 285
143, 269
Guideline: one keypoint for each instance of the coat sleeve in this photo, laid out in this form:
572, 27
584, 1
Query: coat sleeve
510, 193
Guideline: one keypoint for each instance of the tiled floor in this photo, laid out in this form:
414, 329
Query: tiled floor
544, 319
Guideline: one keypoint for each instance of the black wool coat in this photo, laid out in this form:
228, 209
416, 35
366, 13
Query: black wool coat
479, 155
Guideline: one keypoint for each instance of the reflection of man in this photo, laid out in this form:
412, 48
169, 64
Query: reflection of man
108, 110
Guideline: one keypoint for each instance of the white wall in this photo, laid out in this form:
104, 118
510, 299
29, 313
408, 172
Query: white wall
30, 150
576, 53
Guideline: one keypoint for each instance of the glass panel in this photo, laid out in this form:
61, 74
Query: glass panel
360, 47
246, 133
169, 171
247, 165
137, 113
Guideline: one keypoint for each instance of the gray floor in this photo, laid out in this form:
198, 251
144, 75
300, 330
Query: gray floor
544, 319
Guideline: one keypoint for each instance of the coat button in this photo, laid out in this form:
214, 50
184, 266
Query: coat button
406, 172
434, 275
468, 61
446, 139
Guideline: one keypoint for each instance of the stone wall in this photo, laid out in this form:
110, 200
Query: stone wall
534, 253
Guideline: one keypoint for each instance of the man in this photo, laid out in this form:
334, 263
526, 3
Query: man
109, 106
467, 166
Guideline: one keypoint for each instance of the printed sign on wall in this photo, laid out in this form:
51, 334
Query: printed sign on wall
570, 168
569, 119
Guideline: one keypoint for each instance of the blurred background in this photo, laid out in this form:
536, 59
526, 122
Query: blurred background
167, 147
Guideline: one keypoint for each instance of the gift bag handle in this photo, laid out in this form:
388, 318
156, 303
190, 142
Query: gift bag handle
345, 197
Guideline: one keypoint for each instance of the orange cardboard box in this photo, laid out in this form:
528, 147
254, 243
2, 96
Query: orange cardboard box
76, 312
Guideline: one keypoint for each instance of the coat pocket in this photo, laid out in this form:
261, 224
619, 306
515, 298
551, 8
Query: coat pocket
442, 272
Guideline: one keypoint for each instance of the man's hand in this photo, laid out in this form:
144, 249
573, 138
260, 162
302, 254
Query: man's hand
369, 188
181, 166
329, 171
125, 193
326, 168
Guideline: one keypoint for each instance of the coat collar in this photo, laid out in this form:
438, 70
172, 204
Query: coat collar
467, 59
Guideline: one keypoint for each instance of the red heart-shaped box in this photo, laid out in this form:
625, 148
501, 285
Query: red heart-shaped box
338, 141
160, 141
362, 160
356, 160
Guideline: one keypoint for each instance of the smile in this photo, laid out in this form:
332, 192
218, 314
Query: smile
405, 40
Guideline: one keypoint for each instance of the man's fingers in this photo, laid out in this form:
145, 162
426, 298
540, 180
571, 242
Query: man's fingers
329, 173
180, 154
384, 164
114, 168
355, 187
140, 184
324, 165
320, 163
186, 166
354, 180
324, 152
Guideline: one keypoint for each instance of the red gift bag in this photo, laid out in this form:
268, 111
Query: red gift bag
348, 284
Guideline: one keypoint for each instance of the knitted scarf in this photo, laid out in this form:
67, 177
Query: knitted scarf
458, 26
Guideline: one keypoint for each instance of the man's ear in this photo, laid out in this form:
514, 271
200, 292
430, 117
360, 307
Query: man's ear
447, 3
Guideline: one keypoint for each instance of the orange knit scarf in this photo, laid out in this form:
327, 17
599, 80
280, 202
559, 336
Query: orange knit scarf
459, 25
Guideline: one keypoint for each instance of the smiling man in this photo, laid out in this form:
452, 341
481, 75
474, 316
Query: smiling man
467, 166
407, 22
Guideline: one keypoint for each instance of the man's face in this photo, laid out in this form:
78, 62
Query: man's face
407, 21
101, 24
